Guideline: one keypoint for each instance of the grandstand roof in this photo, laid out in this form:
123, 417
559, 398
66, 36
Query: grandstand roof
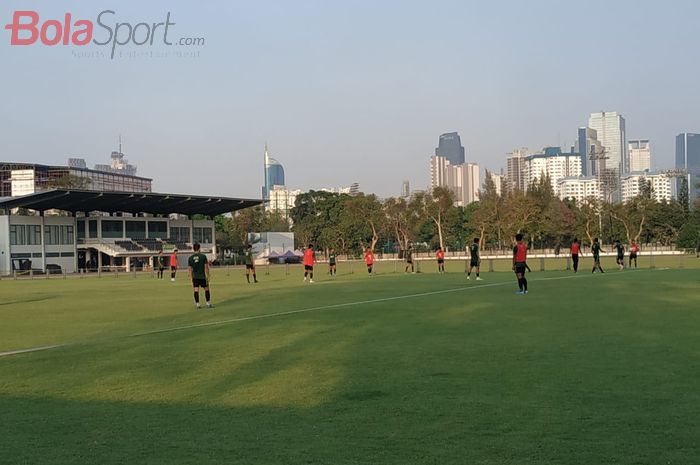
73, 200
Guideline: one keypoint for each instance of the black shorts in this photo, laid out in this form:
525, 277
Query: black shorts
520, 268
475, 262
249, 267
620, 258
409, 261
161, 268
440, 261
173, 268
308, 268
331, 264
199, 282
633, 255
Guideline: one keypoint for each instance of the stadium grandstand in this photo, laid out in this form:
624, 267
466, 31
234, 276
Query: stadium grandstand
71, 230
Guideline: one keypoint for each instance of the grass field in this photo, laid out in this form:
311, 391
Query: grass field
395, 369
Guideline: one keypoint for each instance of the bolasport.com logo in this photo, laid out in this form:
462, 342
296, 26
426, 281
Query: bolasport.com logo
28, 28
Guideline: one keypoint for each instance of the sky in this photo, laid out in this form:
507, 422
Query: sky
343, 91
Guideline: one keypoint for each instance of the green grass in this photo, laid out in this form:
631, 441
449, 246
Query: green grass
586, 369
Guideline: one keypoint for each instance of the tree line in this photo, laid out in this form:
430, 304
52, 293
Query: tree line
428, 220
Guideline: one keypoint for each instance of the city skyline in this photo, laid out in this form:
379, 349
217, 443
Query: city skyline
339, 106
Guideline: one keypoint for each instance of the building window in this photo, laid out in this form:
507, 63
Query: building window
112, 229
180, 234
157, 229
81, 229
17, 234
92, 229
33, 235
136, 229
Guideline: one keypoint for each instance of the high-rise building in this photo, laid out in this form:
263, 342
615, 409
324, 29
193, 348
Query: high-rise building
639, 155
661, 186
588, 145
450, 147
405, 189
274, 175
281, 200
551, 162
579, 188
688, 160
610, 131
514, 169
499, 181
463, 179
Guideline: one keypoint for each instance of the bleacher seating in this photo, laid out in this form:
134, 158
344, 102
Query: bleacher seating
129, 246
153, 245
180, 245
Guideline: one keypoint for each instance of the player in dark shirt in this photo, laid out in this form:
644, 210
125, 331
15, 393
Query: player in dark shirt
620, 249
160, 263
475, 260
250, 264
332, 258
408, 254
520, 263
198, 270
595, 250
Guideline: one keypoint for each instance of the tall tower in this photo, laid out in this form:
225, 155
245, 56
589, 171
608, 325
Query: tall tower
273, 175
688, 160
450, 147
610, 129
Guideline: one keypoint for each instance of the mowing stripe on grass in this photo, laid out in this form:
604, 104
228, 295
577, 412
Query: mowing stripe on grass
288, 312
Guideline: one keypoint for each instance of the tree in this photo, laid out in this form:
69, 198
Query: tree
435, 206
632, 215
367, 209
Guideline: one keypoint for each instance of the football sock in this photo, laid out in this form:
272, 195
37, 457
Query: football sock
525, 284
247, 276
207, 295
196, 296
255, 278
520, 284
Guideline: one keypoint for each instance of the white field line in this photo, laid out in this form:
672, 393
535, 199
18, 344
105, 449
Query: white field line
289, 312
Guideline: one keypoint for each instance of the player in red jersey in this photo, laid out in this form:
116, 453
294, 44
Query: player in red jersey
440, 255
369, 260
173, 265
309, 262
575, 252
520, 263
634, 250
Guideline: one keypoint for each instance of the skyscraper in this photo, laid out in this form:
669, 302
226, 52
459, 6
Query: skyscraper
587, 143
688, 159
274, 175
463, 179
514, 169
610, 131
450, 147
405, 189
640, 155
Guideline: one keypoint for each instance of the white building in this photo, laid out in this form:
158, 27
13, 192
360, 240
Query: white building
610, 131
463, 180
282, 200
499, 181
514, 169
661, 186
579, 188
552, 163
639, 155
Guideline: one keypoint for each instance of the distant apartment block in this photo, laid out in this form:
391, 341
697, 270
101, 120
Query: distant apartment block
639, 155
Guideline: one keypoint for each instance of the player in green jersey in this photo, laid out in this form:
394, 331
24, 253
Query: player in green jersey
198, 270
595, 251
475, 260
250, 264
332, 258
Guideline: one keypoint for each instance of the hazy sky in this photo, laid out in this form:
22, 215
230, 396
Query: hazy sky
346, 91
